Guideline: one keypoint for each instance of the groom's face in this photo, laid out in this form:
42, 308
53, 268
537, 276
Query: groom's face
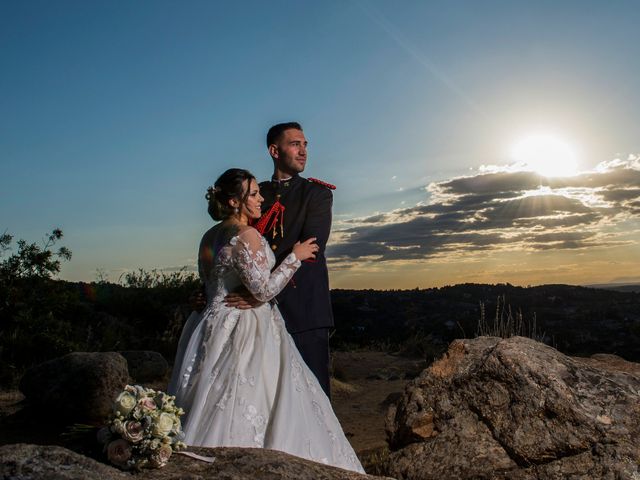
290, 151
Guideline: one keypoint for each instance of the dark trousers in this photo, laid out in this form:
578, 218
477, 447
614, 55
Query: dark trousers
313, 345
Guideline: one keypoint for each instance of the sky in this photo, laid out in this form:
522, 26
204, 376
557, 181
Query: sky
487, 142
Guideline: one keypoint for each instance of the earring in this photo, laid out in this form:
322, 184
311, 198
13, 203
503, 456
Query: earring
236, 210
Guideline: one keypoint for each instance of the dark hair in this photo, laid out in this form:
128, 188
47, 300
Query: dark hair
227, 186
274, 132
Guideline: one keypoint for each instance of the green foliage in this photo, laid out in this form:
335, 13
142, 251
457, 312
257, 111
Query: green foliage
32, 260
158, 278
422, 345
152, 303
43, 318
31, 328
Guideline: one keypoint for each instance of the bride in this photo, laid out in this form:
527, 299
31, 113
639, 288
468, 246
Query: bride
238, 375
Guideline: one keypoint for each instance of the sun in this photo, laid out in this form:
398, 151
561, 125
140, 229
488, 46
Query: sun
547, 155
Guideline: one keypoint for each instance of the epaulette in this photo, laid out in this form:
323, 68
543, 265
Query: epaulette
320, 182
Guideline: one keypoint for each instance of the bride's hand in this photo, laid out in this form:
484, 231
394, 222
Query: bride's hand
306, 250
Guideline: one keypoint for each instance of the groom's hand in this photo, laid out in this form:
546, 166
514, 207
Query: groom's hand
241, 299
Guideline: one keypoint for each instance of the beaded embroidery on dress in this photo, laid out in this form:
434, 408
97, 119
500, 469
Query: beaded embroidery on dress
238, 374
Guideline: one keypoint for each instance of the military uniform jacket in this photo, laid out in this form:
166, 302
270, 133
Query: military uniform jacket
305, 303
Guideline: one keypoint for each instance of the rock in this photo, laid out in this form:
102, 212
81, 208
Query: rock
606, 361
39, 462
389, 400
79, 387
35, 462
145, 366
249, 464
517, 409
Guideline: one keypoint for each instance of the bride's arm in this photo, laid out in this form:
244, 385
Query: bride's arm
252, 264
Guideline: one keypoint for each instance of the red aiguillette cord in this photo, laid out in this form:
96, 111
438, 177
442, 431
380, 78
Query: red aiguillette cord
270, 219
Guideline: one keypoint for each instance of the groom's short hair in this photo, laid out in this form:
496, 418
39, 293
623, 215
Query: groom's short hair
274, 132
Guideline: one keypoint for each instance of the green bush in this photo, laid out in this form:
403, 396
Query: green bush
31, 301
42, 317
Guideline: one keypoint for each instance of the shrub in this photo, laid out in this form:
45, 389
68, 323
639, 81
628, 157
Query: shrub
31, 328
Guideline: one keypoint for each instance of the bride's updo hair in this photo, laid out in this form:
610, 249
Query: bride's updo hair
228, 185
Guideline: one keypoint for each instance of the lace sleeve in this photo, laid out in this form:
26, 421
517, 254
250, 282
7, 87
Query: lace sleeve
252, 264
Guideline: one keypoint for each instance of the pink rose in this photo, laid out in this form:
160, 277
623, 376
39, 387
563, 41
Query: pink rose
160, 457
118, 452
133, 431
147, 403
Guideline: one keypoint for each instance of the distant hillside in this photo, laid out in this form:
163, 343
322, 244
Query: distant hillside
619, 287
53, 317
576, 320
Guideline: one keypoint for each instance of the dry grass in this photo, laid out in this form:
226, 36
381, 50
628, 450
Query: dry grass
507, 324
342, 389
375, 461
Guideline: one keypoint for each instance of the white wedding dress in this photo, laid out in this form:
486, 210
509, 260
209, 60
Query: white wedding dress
238, 374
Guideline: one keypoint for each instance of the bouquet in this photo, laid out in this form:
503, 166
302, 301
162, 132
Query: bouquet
144, 429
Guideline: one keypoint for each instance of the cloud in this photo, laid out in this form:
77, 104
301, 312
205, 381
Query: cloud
621, 195
501, 210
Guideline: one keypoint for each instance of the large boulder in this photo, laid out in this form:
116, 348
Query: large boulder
79, 387
35, 462
514, 408
145, 366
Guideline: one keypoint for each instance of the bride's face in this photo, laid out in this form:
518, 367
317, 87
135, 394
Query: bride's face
251, 206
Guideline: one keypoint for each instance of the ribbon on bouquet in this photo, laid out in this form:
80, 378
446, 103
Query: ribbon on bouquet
198, 457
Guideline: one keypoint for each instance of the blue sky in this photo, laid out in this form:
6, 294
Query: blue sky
116, 116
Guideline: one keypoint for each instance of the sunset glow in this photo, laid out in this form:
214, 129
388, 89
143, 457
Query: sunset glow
547, 155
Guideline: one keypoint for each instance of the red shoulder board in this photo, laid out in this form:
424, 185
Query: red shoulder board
320, 182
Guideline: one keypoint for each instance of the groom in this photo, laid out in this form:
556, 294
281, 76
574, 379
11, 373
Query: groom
295, 209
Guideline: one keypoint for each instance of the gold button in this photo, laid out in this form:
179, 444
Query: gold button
286, 184
274, 247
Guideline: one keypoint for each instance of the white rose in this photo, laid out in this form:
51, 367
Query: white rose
163, 424
125, 403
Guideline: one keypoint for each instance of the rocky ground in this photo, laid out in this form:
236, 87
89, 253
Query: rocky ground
37, 462
489, 408
364, 384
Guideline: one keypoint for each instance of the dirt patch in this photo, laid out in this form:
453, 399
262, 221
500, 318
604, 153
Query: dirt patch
366, 382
